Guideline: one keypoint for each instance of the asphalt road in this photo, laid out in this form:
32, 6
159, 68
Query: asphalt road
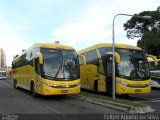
152, 99
20, 102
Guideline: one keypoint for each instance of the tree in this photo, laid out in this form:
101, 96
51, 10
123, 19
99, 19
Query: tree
150, 42
147, 30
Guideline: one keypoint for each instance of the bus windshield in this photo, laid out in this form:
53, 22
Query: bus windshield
60, 64
133, 64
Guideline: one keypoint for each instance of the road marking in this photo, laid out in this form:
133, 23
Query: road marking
155, 91
51, 108
153, 100
149, 100
8, 85
31, 98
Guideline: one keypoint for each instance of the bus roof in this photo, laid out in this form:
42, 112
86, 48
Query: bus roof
109, 45
46, 45
52, 45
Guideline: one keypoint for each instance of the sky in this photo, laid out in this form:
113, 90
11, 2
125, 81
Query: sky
77, 23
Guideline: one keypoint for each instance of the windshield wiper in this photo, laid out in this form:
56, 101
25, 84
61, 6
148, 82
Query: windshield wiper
60, 67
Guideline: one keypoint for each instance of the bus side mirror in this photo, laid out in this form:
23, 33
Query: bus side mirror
154, 58
117, 56
82, 59
40, 56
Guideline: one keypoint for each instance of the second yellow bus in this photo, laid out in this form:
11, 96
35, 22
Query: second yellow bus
132, 70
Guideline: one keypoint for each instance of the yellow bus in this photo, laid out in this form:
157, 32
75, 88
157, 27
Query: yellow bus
47, 69
155, 73
132, 70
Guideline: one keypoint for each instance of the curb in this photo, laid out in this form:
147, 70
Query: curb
117, 106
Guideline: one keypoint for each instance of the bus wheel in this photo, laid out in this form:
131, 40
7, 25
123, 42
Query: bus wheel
96, 86
124, 96
15, 84
33, 90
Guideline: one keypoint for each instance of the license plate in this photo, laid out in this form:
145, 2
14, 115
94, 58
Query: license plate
64, 91
137, 90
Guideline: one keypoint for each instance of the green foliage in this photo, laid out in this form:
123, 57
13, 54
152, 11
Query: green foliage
136, 26
147, 30
150, 42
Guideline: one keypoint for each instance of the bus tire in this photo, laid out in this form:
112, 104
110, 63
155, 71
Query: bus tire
96, 86
15, 84
124, 96
34, 94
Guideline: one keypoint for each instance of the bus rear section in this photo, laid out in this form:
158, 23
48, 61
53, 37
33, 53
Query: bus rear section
3, 75
53, 70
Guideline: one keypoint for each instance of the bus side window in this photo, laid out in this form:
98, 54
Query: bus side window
80, 60
29, 58
36, 60
91, 57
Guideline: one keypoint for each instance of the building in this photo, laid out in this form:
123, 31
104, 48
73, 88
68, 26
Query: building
2, 59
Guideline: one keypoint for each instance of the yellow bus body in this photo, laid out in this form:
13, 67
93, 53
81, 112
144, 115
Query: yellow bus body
24, 76
90, 76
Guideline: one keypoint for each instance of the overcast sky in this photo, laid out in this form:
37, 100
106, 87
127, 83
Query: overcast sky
78, 23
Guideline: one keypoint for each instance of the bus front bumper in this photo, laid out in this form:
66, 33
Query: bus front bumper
46, 90
122, 89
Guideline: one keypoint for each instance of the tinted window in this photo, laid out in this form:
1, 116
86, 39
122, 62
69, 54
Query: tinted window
91, 56
80, 60
103, 50
154, 67
25, 59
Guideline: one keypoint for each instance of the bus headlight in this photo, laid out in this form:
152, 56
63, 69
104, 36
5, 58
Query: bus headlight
124, 83
148, 84
121, 82
60, 86
47, 84
133, 85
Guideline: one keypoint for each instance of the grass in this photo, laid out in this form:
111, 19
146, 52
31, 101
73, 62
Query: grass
107, 98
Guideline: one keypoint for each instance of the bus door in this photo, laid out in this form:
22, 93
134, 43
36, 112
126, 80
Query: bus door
107, 63
83, 74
